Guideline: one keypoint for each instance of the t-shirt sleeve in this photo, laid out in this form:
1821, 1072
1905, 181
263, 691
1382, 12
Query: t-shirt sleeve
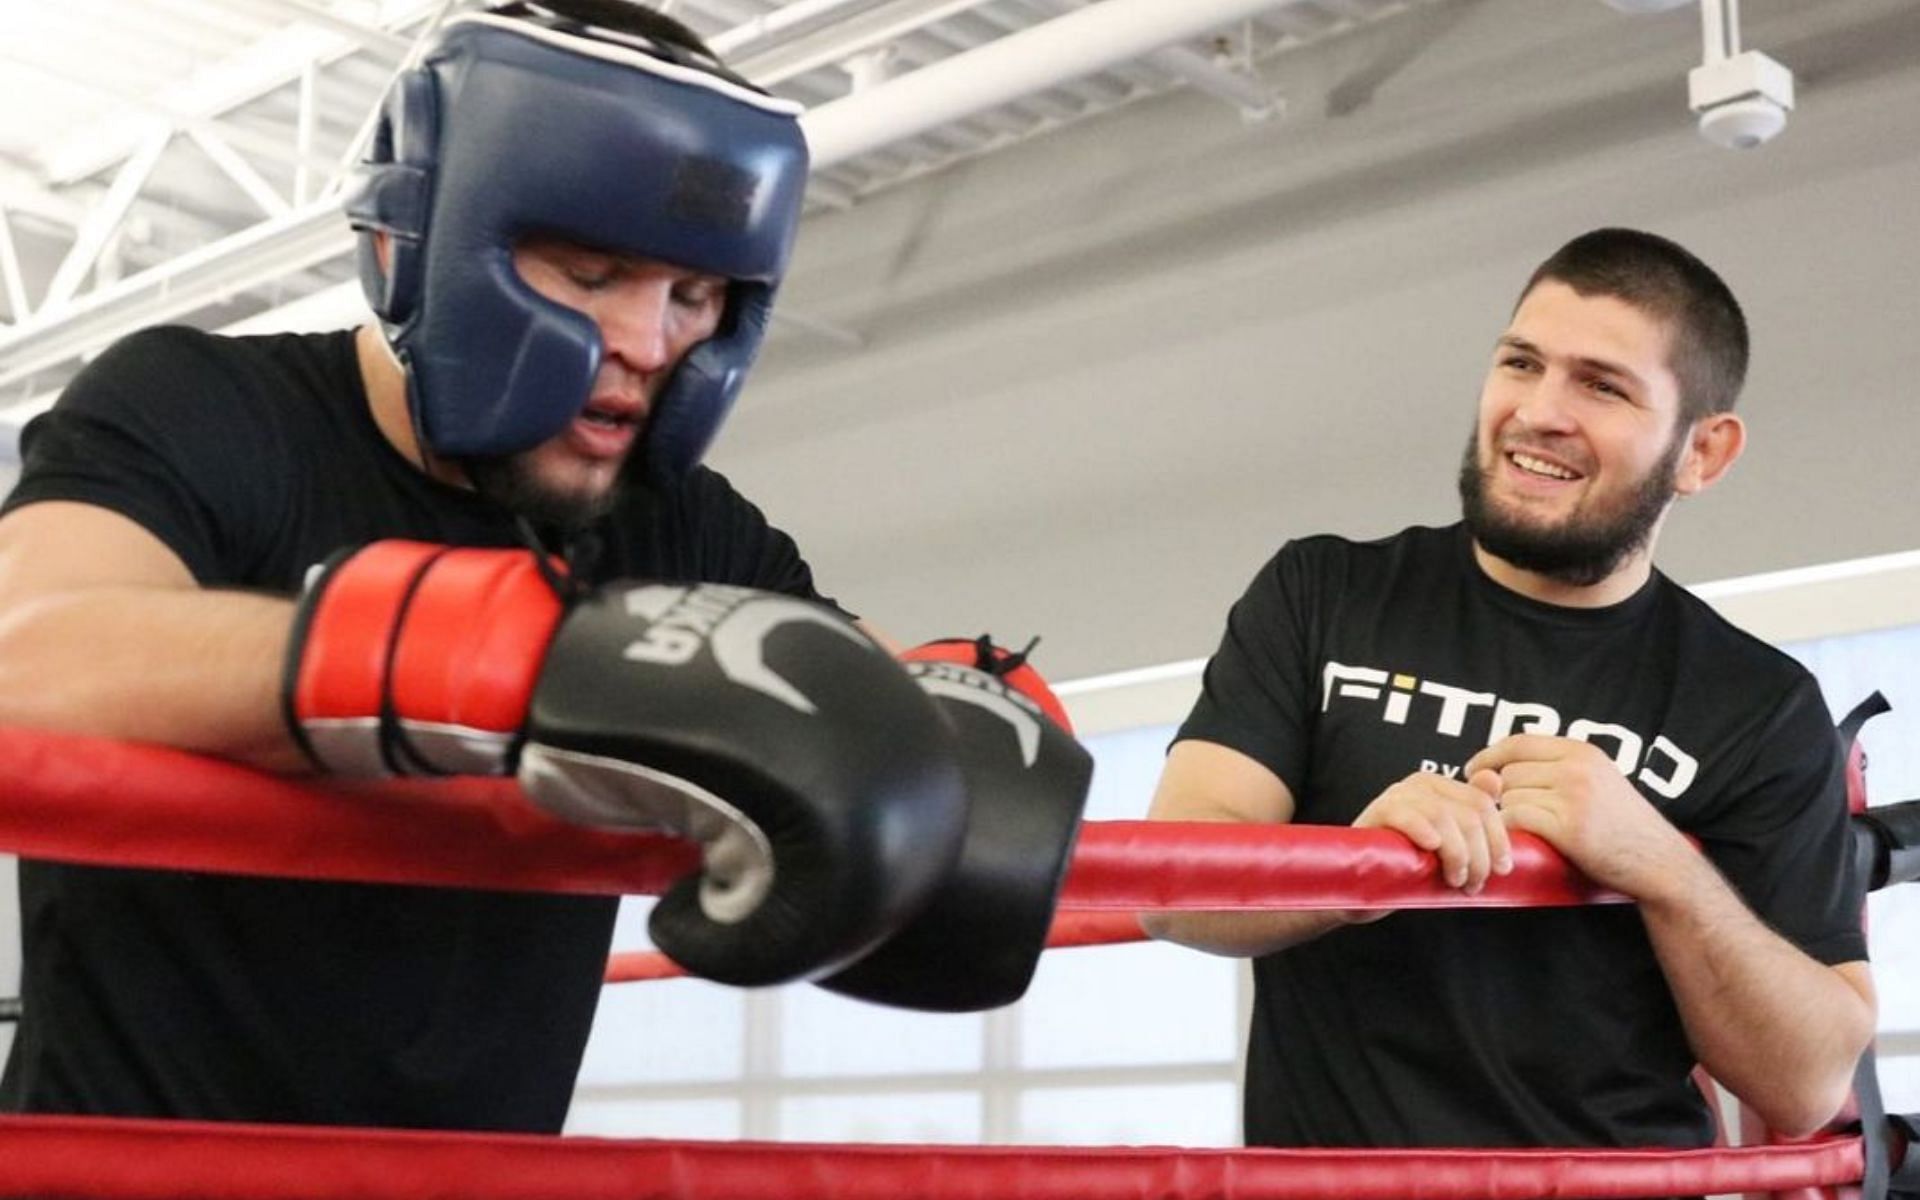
1781, 834
154, 430
1256, 695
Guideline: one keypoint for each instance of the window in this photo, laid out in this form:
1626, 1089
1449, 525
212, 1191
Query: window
1156, 1061
1849, 669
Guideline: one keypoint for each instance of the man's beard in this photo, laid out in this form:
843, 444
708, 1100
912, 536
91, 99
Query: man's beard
511, 481
1586, 547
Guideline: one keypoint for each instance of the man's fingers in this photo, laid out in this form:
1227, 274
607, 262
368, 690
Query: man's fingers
1532, 810
1531, 777
1499, 845
1519, 747
1455, 855
1527, 818
1479, 852
1455, 820
1416, 827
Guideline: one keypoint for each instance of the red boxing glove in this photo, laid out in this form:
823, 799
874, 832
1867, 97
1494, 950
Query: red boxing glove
818, 778
1008, 666
450, 698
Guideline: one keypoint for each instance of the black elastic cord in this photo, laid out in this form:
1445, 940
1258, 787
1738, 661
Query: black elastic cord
580, 554
1003, 664
395, 750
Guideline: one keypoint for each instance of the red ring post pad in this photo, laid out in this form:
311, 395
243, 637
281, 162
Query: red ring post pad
110, 1159
89, 800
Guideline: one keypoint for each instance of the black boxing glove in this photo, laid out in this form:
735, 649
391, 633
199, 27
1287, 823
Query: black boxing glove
816, 775
977, 942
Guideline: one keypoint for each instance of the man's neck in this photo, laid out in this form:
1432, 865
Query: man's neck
1624, 581
386, 384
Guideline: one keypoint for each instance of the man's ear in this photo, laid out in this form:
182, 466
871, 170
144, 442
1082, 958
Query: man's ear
1713, 445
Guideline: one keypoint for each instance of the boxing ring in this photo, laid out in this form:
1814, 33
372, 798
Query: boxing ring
89, 801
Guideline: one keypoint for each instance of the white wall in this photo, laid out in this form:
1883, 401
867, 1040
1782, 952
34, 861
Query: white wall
1105, 373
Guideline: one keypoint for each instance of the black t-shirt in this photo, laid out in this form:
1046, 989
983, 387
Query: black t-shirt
1346, 667
204, 996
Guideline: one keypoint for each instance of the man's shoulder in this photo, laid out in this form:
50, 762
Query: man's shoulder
1734, 650
1416, 544
701, 492
182, 370
183, 345
1413, 537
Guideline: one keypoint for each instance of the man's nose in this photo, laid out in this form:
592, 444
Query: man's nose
633, 324
1548, 405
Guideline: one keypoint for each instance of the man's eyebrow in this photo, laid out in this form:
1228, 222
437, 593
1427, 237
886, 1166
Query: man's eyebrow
1599, 366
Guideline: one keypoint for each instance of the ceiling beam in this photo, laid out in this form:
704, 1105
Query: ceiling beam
120, 136
1037, 58
879, 25
1082, 42
302, 12
268, 65
1243, 89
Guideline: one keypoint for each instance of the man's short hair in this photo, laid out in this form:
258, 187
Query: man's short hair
1708, 354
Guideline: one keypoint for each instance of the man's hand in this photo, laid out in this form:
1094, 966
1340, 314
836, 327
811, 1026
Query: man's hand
815, 773
1458, 821
1573, 795
1779, 1029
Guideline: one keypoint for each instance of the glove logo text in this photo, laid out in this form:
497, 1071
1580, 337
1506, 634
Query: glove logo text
736, 622
981, 690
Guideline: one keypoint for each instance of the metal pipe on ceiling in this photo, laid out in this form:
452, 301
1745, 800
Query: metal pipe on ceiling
1068, 47
1080, 43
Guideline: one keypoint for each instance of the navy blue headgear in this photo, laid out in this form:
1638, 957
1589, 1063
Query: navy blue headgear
507, 129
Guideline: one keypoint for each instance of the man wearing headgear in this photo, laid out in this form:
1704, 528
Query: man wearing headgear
390, 551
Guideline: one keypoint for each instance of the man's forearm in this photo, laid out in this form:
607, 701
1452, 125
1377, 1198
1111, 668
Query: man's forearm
1779, 1029
192, 669
1242, 934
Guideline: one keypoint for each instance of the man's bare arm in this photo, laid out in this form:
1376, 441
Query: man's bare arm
1781, 1030
1207, 782
104, 631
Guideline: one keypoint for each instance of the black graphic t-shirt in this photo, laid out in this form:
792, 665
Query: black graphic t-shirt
151, 993
1347, 666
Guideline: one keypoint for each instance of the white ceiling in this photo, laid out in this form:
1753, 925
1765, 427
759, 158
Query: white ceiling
1098, 378
176, 159
1074, 362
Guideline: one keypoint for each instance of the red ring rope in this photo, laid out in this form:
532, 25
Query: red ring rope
86, 800
89, 800
175, 1160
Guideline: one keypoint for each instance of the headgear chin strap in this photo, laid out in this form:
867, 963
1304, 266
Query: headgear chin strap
507, 129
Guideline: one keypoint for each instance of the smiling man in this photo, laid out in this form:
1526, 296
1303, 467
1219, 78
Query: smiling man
1528, 668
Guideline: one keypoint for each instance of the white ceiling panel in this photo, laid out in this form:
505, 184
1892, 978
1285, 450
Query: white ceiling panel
178, 159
